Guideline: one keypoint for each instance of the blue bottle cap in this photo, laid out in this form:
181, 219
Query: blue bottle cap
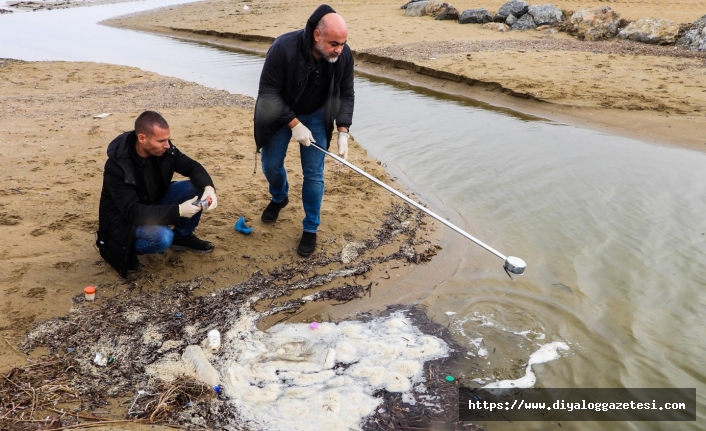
217, 389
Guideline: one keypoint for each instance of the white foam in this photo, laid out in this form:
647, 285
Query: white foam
295, 378
546, 353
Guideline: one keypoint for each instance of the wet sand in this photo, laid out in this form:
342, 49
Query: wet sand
651, 93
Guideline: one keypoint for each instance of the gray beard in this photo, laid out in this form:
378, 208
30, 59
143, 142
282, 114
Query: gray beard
330, 59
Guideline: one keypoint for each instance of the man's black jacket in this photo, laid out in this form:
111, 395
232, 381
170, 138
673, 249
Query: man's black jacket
288, 64
124, 203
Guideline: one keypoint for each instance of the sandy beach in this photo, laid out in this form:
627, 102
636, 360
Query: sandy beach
53, 152
649, 92
52, 149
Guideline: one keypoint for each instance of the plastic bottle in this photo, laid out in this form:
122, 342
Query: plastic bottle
195, 359
213, 340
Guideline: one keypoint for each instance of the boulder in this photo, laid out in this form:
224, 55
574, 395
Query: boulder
695, 37
511, 19
439, 9
416, 8
547, 14
516, 8
497, 26
525, 22
404, 6
651, 30
475, 16
449, 14
594, 24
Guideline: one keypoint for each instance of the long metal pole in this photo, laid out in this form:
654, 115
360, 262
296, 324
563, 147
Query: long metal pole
411, 202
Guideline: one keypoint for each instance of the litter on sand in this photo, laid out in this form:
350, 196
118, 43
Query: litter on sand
241, 227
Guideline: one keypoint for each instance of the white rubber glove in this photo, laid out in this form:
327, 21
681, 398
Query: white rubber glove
343, 145
302, 135
188, 209
210, 193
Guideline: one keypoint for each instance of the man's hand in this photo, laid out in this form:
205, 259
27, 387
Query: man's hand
343, 145
209, 193
188, 209
302, 135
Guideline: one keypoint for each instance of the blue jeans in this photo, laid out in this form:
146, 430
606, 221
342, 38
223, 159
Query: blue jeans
312, 161
156, 239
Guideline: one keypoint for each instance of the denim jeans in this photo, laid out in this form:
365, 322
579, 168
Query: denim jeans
156, 239
312, 161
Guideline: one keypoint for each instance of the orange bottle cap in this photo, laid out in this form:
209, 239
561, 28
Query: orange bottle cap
90, 289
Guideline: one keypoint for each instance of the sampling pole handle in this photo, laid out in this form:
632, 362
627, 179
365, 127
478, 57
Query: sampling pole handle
413, 203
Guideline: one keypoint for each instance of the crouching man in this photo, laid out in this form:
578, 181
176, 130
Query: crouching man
139, 201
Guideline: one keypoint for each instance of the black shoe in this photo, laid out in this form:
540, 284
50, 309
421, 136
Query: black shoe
134, 265
308, 244
192, 243
272, 211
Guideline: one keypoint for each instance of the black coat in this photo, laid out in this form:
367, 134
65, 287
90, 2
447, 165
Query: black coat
124, 203
287, 66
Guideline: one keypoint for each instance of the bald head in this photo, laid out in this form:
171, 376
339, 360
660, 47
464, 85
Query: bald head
330, 36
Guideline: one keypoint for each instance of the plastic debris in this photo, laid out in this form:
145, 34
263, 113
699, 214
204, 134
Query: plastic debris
450, 378
178, 315
213, 340
241, 227
100, 360
314, 325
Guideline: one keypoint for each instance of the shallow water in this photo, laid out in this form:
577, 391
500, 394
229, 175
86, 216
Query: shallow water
612, 229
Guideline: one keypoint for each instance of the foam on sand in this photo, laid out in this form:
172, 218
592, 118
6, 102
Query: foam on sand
294, 378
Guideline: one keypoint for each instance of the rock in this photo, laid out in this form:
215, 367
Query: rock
449, 14
441, 11
651, 30
525, 22
594, 24
511, 19
515, 8
547, 14
497, 26
433, 8
695, 37
475, 16
404, 6
416, 8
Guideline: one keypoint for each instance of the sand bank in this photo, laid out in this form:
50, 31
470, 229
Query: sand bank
653, 93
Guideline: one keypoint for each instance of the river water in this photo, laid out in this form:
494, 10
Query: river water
613, 229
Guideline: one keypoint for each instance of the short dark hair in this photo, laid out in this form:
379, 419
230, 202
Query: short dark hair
147, 120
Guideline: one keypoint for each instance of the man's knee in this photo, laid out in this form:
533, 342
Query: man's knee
164, 239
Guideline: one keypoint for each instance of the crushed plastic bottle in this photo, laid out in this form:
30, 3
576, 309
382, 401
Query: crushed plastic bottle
196, 360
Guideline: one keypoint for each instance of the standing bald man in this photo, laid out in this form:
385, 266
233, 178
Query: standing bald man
306, 86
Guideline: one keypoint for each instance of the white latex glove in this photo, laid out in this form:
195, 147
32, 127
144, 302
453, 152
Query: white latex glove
210, 193
301, 134
343, 145
188, 209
